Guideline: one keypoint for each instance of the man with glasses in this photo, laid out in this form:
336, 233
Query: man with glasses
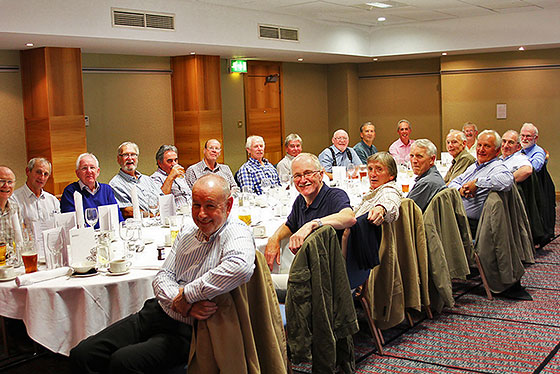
170, 176
471, 133
209, 164
515, 161
400, 149
317, 205
338, 154
536, 155
7, 207
128, 177
94, 194
34, 202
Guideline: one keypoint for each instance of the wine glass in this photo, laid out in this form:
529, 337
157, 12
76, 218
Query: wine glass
54, 245
153, 206
126, 233
91, 216
350, 171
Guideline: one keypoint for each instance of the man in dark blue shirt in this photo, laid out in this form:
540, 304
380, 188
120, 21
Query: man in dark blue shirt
317, 205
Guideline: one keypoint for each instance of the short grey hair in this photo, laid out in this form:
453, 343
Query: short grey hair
84, 155
470, 124
386, 160
309, 156
457, 132
251, 139
133, 145
405, 121
497, 142
291, 138
164, 148
368, 123
38, 160
532, 127
427, 145
514, 133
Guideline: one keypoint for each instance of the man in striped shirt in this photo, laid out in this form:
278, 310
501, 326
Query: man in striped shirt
206, 260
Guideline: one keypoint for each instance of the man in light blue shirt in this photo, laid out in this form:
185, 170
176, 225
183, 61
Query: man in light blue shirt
487, 174
536, 155
338, 154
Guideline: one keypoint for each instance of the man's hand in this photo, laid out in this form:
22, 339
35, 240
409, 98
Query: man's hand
272, 252
176, 171
202, 310
180, 304
296, 240
468, 189
377, 215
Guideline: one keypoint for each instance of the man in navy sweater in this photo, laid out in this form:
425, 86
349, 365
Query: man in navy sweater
93, 193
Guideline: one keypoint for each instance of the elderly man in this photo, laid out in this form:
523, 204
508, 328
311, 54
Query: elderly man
317, 205
515, 161
128, 177
400, 149
257, 169
206, 260
34, 202
209, 164
487, 174
293, 148
170, 176
7, 208
456, 142
471, 132
536, 155
428, 180
338, 154
365, 147
93, 193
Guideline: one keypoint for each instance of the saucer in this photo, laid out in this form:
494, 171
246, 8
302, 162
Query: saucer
83, 275
117, 274
148, 241
8, 279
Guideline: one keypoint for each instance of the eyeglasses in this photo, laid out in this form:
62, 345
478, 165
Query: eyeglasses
214, 149
131, 155
305, 174
527, 136
341, 138
7, 181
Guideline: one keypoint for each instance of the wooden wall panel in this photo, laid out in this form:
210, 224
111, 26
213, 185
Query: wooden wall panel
34, 83
64, 77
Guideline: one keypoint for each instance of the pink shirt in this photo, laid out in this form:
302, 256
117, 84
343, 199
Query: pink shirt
400, 151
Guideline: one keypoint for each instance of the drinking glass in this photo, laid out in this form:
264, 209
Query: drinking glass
54, 245
153, 206
126, 233
91, 216
350, 171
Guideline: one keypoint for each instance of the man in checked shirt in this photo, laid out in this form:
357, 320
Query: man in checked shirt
206, 260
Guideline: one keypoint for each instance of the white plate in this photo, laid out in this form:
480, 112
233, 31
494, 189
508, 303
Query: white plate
8, 279
148, 241
117, 274
76, 275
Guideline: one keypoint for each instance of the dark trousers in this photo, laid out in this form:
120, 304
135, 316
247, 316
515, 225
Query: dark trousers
145, 342
473, 224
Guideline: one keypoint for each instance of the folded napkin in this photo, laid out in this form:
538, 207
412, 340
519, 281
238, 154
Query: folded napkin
41, 276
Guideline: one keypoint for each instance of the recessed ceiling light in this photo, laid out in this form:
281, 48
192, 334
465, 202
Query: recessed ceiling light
444, 54
381, 19
193, 53
29, 44
379, 5
521, 48
375, 59
300, 59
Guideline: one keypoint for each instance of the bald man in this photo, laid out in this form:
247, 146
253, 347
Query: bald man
338, 154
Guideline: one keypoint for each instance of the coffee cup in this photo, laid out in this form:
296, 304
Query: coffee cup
7, 271
83, 267
119, 266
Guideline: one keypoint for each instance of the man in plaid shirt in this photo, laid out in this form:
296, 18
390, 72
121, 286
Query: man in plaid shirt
257, 169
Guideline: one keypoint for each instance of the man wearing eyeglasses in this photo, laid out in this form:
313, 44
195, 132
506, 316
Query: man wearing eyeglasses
170, 175
7, 207
536, 155
317, 205
128, 177
338, 154
209, 164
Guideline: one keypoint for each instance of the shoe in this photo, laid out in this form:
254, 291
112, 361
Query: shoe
516, 292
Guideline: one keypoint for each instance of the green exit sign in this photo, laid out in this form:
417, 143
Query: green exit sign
238, 66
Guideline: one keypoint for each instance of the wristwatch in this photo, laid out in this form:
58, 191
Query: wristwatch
318, 222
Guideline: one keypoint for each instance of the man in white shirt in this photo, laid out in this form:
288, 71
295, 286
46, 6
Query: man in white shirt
293, 148
34, 202
515, 161
471, 132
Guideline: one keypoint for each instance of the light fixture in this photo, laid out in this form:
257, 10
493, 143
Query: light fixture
444, 53
193, 53
381, 19
29, 44
521, 48
300, 59
378, 4
375, 59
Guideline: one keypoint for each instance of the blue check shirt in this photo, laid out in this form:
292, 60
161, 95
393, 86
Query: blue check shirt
252, 173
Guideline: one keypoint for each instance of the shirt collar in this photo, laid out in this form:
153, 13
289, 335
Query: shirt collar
206, 167
528, 149
30, 193
319, 198
370, 147
336, 150
84, 187
201, 237
130, 178
254, 161
478, 166
429, 171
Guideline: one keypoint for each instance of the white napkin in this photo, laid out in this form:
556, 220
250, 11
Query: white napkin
79, 205
17, 230
83, 246
167, 206
339, 173
109, 217
66, 221
41, 276
135, 205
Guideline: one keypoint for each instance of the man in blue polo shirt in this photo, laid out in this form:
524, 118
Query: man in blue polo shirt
536, 155
317, 205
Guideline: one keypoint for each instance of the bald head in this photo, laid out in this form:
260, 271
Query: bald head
211, 203
340, 140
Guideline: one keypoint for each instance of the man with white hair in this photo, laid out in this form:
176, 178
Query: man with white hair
536, 155
293, 148
456, 142
338, 154
471, 132
94, 194
34, 202
487, 174
428, 180
8, 207
257, 168
515, 161
400, 149
128, 177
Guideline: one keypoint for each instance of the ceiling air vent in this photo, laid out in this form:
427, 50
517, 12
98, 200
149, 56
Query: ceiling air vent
131, 18
278, 33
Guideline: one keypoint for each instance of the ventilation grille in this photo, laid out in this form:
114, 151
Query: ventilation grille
278, 33
128, 18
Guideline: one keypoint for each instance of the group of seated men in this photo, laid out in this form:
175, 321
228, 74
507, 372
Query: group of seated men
217, 253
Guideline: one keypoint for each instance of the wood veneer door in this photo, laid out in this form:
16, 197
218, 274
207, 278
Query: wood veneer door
263, 106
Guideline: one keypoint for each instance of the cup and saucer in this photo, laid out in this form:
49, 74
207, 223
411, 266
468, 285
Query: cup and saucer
7, 273
84, 269
119, 267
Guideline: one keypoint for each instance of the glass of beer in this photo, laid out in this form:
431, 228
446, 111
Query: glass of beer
245, 215
30, 260
3, 250
405, 187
